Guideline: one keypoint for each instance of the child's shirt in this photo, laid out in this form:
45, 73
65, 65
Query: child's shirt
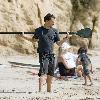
84, 60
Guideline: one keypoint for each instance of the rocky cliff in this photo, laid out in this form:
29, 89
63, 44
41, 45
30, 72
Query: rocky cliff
26, 15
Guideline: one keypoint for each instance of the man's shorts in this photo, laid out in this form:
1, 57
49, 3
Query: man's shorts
47, 64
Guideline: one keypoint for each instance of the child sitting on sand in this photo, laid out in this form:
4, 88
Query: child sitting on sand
86, 63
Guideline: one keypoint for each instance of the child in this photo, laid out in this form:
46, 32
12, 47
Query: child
86, 63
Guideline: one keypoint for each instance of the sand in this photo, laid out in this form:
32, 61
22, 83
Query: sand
21, 82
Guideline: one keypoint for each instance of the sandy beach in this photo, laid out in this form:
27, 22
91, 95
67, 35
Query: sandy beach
20, 82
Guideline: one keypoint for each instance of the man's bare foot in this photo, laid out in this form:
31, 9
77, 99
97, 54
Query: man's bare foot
84, 84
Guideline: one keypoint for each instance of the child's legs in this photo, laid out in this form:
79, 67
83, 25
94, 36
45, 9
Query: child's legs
87, 74
85, 78
89, 78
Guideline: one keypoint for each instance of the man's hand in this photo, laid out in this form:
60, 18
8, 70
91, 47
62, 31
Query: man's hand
27, 37
59, 43
22, 35
68, 36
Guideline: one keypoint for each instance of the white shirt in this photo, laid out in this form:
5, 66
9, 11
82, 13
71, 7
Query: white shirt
65, 45
70, 59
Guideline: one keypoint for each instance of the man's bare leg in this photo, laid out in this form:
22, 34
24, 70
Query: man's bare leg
49, 83
42, 81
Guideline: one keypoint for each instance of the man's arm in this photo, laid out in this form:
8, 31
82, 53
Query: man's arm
59, 43
29, 38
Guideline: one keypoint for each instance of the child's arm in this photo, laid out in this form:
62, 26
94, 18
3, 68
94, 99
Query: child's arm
91, 68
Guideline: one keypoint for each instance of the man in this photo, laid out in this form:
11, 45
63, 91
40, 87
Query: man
46, 36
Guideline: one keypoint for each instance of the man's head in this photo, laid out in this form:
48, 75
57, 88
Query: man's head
49, 19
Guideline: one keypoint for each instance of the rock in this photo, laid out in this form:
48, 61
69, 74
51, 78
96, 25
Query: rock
17, 15
79, 41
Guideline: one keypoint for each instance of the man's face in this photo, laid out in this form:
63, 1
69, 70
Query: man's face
50, 22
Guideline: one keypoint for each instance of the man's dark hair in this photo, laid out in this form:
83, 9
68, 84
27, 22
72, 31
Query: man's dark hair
48, 17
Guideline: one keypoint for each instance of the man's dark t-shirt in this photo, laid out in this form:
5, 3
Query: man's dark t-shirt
47, 38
